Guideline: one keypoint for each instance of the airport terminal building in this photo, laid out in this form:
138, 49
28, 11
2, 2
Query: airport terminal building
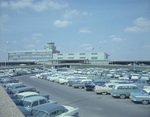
50, 55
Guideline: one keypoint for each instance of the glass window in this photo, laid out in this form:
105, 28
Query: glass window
82, 53
120, 87
71, 54
60, 57
53, 114
82, 57
26, 104
94, 58
60, 112
134, 87
110, 86
42, 101
35, 103
94, 53
70, 57
19, 97
37, 113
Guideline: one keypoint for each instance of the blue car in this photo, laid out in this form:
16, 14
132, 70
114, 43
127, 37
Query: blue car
143, 96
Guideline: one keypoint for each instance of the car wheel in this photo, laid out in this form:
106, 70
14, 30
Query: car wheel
145, 102
104, 93
80, 87
122, 96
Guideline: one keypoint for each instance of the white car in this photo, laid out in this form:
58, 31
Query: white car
23, 95
105, 89
65, 80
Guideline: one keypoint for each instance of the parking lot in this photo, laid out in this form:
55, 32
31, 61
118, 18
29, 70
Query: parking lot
89, 103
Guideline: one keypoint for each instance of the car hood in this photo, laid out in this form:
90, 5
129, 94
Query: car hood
24, 110
138, 94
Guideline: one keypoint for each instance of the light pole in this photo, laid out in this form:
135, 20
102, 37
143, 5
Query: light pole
4, 49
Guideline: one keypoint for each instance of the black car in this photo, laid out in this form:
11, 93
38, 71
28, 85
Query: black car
91, 86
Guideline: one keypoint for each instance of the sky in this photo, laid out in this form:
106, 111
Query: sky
120, 28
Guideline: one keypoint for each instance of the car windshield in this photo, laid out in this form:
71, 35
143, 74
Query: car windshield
37, 113
26, 104
144, 92
19, 97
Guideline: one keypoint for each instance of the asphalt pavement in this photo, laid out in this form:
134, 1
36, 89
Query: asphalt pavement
89, 103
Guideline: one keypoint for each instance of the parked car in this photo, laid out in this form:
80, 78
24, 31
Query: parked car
18, 99
104, 89
31, 102
11, 84
15, 86
4, 78
65, 80
54, 110
20, 90
72, 81
9, 81
124, 90
103, 79
143, 96
135, 76
141, 83
21, 96
80, 84
91, 86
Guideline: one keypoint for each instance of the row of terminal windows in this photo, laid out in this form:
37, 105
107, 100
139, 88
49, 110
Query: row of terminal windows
29, 53
93, 58
79, 54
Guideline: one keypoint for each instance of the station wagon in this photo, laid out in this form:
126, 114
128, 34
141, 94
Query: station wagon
30, 103
124, 90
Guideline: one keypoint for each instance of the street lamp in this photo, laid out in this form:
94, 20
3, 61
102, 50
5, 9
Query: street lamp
4, 49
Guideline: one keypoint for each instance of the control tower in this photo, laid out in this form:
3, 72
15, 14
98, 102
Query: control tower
50, 46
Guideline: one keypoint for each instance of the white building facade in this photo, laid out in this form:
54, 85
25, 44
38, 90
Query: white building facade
94, 57
51, 55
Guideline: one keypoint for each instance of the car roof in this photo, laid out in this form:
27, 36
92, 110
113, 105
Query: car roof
147, 90
117, 85
22, 88
7, 79
27, 93
48, 108
9, 84
34, 98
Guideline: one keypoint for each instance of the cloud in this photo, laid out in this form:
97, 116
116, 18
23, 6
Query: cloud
33, 4
85, 13
142, 21
64, 23
85, 30
36, 37
116, 39
69, 14
140, 25
87, 46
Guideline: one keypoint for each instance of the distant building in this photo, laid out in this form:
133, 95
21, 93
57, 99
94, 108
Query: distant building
34, 55
94, 58
51, 55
